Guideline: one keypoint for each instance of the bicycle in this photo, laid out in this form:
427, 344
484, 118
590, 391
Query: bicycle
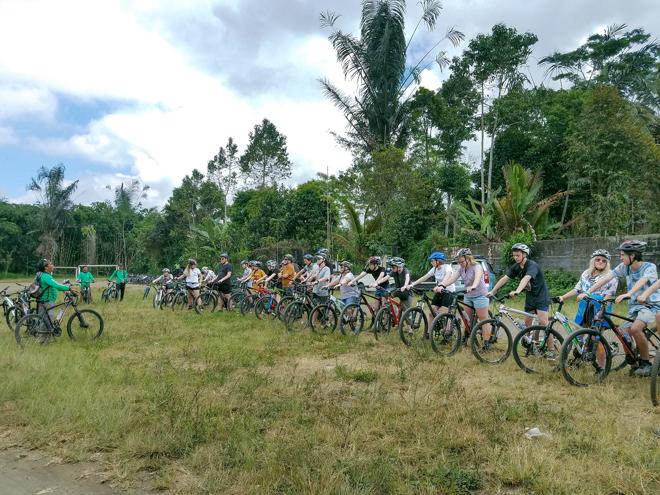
267, 305
496, 348
353, 316
447, 328
297, 314
14, 309
413, 318
586, 358
110, 293
655, 370
40, 329
388, 315
86, 294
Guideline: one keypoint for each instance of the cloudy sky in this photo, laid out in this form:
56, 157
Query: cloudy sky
116, 89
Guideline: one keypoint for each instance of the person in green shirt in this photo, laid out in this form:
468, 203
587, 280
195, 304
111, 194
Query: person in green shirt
120, 275
49, 289
86, 279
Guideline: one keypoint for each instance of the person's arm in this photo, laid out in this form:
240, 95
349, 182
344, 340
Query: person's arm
50, 282
418, 281
406, 281
91, 278
226, 277
114, 275
381, 278
500, 283
449, 279
648, 292
600, 283
521, 286
358, 277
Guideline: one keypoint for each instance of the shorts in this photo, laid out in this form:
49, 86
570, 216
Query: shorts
224, 288
533, 307
190, 287
442, 299
381, 292
642, 313
350, 300
478, 302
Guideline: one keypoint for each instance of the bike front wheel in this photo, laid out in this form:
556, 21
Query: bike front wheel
585, 358
32, 330
266, 308
655, 370
351, 320
323, 319
413, 326
383, 323
85, 325
445, 335
490, 341
296, 316
536, 349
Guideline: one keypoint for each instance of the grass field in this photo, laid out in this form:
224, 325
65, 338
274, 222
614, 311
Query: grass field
220, 403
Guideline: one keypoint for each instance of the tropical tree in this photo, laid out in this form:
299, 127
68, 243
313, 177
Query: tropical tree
223, 170
55, 203
378, 115
266, 160
356, 241
128, 199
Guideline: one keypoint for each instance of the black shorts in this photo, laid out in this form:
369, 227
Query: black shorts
404, 296
442, 299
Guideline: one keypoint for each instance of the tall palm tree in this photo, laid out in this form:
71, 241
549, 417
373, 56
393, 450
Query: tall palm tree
378, 115
55, 202
354, 242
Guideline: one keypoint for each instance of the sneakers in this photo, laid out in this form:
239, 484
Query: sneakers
643, 370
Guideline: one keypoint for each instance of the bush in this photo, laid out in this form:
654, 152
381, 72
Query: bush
560, 281
417, 261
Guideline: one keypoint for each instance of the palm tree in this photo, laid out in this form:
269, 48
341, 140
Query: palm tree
128, 199
378, 115
354, 242
55, 202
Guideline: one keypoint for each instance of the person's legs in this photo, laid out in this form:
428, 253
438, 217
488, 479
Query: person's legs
122, 288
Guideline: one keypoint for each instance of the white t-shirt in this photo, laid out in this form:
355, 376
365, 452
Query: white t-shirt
192, 279
210, 275
440, 274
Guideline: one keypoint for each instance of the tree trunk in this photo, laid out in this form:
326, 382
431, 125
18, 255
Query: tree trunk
564, 211
447, 219
492, 145
481, 156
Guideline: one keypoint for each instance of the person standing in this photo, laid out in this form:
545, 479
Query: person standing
85, 278
223, 280
48, 289
120, 276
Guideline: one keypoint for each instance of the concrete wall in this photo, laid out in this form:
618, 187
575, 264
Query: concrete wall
572, 255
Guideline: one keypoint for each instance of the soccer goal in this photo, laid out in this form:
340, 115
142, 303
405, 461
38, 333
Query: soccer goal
66, 272
99, 271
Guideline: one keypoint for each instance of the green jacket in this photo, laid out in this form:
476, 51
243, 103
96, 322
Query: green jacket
49, 288
85, 278
119, 275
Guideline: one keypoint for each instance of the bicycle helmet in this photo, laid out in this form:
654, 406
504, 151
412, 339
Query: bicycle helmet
346, 264
224, 255
632, 246
322, 251
437, 255
245, 262
323, 257
166, 270
519, 246
271, 264
308, 257
192, 261
375, 260
288, 257
396, 261
257, 264
602, 252
205, 269
464, 252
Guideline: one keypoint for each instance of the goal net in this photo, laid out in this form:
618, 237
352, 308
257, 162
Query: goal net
99, 271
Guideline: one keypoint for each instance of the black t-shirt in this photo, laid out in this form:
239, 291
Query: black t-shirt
399, 277
376, 273
222, 271
536, 290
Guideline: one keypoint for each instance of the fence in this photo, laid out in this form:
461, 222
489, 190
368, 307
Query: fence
572, 255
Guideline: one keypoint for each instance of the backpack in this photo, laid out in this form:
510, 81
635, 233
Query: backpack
34, 289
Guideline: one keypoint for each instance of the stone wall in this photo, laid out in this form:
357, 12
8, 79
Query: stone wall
572, 255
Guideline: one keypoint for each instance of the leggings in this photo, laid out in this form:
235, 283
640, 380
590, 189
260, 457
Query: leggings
122, 288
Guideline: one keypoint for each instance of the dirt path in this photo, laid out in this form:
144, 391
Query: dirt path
30, 473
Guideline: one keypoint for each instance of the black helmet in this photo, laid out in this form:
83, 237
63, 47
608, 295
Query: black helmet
308, 257
288, 257
632, 246
373, 260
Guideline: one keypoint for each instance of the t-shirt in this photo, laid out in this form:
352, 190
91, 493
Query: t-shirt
468, 274
210, 276
346, 291
257, 274
376, 273
49, 288
646, 270
119, 275
192, 277
247, 273
587, 280
319, 287
440, 273
536, 290
223, 270
85, 278
286, 275
400, 277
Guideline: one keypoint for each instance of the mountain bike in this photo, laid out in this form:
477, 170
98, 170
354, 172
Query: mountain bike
587, 357
448, 329
14, 309
655, 370
40, 328
110, 293
388, 315
414, 324
267, 305
297, 314
354, 316
86, 294
496, 347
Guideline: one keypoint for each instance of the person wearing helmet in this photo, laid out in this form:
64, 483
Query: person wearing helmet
532, 281
599, 267
270, 273
374, 269
348, 291
246, 277
287, 274
193, 277
322, 278
120, 275
439, 271
208, 276
222, 281
308, 267
401, 277
640, 277
258, 274
165, 277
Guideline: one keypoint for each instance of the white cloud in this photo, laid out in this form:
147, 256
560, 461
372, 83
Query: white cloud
7, 136
18, 101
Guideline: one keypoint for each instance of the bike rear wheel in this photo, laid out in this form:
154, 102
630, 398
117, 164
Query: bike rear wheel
585, 358
296, 316
383, 322
536, 349
655, 370
266, 308
32, 330
413, 327
445, 335
492, 349
351, 320
85, 325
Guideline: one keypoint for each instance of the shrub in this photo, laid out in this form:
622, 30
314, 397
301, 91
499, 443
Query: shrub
560, 281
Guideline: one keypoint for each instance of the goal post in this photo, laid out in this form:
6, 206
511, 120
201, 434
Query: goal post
70, 272
98, 270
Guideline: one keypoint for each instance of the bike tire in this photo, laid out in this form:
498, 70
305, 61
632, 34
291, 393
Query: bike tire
266, 308
497, 348
383, 324
323, 319
85, 325
351, 320
413, 324
282, 305
200, 306
446, 335
13, 315
32, 330
531, 350
296, 316
655, 370
179, 302
579, 356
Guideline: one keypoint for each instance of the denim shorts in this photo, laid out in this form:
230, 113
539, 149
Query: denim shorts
637, 312
380, 292
479, 302
351, 300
